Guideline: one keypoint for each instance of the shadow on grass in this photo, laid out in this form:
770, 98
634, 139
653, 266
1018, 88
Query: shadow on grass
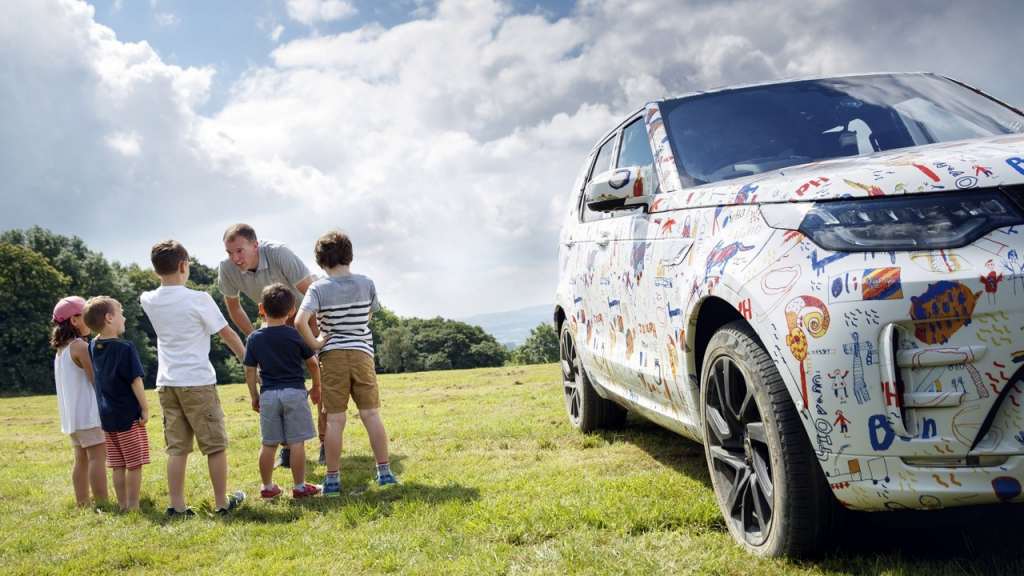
971, 540
360, 497
666, 447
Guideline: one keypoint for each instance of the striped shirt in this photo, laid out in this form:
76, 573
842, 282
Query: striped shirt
343, 305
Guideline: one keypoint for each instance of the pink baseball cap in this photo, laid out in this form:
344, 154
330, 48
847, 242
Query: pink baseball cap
68, 307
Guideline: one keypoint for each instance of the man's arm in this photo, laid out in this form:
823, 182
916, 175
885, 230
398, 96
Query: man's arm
303, 284
251, 381
238, 315
230, 337
140, 395
302, 320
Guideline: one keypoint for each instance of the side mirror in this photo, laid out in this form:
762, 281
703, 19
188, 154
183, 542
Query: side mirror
621, 188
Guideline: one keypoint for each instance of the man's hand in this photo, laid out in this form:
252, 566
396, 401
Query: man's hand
256, 404
314, 394
144, 419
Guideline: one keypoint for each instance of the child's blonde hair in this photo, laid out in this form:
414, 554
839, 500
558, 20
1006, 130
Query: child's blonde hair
96, 310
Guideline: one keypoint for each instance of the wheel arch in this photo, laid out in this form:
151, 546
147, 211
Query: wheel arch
708, 316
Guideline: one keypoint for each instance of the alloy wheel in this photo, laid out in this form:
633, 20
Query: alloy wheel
738, 446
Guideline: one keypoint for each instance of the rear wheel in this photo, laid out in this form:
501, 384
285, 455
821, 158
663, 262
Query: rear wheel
587, 411
768, 483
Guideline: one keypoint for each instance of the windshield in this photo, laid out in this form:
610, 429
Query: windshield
746, 131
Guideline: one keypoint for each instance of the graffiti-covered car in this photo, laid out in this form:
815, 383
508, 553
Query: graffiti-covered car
820, 280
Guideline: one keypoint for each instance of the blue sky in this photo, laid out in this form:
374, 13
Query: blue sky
443, 135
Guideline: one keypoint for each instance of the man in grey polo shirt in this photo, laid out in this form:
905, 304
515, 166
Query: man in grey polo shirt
250, 267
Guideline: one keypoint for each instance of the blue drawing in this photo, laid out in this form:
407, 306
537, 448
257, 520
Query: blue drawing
819, 265
860, 386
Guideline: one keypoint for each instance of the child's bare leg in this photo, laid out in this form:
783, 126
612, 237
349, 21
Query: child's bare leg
176, 465
267, 453
298, 462
98, 471
332, 443
378, 436
80, 476
120, 489
218, 465
132, 487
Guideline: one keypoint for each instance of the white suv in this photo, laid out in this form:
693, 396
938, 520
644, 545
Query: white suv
822, 281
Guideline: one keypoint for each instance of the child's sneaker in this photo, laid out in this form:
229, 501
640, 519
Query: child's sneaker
186, 513
306, 491
332, 487
386, 479
235, 500
271, 493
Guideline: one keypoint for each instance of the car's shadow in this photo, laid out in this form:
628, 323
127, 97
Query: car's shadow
974, 540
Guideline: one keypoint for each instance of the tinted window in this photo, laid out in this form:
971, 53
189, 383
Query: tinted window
734, 133
635, 150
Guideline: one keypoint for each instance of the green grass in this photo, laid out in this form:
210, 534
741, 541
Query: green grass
494, 481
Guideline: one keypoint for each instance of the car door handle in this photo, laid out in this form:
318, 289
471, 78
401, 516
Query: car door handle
604, 239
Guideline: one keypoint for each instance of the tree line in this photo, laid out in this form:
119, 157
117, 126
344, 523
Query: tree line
39, 267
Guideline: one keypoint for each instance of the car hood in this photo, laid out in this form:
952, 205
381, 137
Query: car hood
964, 164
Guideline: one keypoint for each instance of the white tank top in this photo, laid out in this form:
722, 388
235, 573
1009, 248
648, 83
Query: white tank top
76, 398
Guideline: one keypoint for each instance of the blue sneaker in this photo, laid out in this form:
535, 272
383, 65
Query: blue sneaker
386, 479
332, 487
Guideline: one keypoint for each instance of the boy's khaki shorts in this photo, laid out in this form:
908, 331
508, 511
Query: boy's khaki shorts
87, 438
345, 373
192, 411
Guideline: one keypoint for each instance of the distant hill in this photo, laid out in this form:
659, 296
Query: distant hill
512, 327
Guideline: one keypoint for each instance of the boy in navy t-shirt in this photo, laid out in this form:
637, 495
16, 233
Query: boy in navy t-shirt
278, 352
123, 409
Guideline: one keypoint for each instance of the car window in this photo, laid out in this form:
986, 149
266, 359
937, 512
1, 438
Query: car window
635, 149
604, 158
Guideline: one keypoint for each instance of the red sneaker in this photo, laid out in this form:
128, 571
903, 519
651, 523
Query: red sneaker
272, 493
306, 491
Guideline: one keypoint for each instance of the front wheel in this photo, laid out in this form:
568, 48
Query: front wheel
587, 411
768, 483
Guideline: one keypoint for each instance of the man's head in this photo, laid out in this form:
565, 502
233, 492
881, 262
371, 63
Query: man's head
103, 314
333, 249
242, 246
278, 301
169, 257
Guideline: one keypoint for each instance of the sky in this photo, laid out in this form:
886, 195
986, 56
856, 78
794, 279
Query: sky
443, 136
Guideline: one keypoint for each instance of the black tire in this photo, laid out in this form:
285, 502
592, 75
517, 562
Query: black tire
768, 483
587, 411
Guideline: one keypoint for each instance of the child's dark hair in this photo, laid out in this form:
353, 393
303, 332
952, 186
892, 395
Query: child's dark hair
96, 310
278, 300
333, 249
166, 256
63, 333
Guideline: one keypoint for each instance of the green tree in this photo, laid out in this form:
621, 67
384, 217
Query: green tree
540, 347
397, 351
29, 288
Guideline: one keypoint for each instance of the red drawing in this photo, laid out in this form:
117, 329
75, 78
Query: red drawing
892, 397
746, 309
979, 170
927, 172
842, 421
807, 185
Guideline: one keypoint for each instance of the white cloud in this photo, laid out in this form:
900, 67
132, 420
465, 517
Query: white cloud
309, 12
445, 145
166, 19
275, 34
127, 143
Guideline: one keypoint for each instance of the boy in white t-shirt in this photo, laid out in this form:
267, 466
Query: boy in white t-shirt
184, 319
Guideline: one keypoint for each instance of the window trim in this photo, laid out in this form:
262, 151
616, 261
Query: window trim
622, 136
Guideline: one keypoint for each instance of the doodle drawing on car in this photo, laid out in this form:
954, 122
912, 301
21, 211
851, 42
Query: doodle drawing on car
820, 280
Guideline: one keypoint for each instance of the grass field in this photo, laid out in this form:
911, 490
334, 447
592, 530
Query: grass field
494, 481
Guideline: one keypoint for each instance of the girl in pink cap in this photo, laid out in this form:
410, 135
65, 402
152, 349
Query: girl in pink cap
76, 400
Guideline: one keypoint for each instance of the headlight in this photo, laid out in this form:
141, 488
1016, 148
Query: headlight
916, 222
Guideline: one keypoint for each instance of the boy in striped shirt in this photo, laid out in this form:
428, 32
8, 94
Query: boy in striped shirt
343, 303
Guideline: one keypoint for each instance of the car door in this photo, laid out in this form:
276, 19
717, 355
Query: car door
617, 258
